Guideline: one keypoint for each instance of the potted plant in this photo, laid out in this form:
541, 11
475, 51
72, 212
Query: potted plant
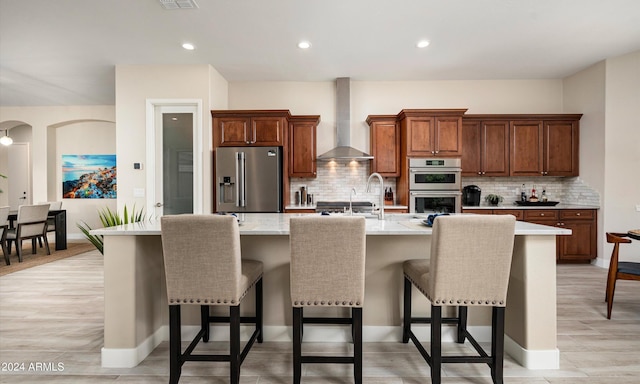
110, 218
493, 199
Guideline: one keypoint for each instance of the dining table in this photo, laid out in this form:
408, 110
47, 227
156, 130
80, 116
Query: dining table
60, 218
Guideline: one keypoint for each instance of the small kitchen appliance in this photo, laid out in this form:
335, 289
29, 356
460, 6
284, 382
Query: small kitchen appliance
471, 195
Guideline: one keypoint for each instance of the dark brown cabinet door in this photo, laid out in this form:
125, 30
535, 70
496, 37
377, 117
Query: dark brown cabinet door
561, 148
385, 148
485, 148
249, 128
232, 131
526, 148
581, 245
267, 131
302, 146
471, 148
448, 136
420, 136
495, 148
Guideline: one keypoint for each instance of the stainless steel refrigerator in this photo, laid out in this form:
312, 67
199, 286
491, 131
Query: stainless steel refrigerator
248, 179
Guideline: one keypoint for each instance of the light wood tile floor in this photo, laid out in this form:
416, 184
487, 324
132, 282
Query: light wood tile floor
52, 314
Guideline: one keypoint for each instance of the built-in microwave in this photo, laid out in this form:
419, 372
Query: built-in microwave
435, 201
435, 174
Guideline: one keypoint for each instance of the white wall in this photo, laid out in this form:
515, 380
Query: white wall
622, 149
135, 84
584, 93
381, 98
42, 124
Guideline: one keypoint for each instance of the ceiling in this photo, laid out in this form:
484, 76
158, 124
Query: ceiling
64, 52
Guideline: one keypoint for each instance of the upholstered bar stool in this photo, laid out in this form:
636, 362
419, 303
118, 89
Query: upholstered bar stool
469, 265
327, 270
203, 267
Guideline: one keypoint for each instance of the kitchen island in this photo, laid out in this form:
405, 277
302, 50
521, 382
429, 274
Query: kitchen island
136, 310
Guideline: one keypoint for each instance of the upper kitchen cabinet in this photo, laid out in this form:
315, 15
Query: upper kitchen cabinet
302, 145
385, 145
249, 128
485, 148
545, 145
431, 132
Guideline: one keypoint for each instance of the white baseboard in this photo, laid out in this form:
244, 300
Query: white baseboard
532, 359
130, 357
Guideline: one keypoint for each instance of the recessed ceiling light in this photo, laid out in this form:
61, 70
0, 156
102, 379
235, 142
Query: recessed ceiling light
188, 46
422, 44
304, 45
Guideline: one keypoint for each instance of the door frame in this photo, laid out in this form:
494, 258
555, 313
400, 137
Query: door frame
151, 106
13, 190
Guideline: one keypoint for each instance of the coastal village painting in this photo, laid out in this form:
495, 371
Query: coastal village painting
89, 177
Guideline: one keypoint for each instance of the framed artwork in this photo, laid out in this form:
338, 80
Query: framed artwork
89, 177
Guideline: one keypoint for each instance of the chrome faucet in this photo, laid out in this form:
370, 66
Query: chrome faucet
351, 194
381, 204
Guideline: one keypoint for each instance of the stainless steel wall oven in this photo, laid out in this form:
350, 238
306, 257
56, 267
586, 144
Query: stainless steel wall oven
434, 185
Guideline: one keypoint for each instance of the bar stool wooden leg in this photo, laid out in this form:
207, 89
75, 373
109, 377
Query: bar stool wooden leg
497, 345
356, 314
407, 311
462, 324
175, 364
204, 322
436, 344
297, 345
235, 344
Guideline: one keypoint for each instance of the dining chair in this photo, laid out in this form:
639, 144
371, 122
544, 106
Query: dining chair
30, 224
4, 226
618, 270
51, 220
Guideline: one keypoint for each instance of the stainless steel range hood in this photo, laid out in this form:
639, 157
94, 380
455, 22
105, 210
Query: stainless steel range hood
344, 151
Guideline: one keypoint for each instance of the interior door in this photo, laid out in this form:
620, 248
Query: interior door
173, 192
18, 175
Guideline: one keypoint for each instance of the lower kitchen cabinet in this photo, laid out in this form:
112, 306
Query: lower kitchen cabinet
580, 246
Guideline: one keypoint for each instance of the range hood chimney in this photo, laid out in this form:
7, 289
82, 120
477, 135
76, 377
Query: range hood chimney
344, 151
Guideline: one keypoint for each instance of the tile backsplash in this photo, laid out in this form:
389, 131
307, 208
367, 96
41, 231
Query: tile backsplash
567, 190
335, 180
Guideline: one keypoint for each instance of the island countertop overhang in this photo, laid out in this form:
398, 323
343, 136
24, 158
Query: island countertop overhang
278, 224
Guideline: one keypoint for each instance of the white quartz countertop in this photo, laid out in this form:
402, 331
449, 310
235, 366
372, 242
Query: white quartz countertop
278, 224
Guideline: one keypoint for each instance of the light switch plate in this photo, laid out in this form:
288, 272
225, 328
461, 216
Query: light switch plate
138, 192
637, 207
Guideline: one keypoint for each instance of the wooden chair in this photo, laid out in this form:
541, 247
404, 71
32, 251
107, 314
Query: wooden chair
31, 224
4, 226
618, 270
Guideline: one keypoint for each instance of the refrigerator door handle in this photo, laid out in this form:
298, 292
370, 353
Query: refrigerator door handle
240, 176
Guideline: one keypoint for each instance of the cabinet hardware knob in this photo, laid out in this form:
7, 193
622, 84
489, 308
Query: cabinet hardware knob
578, 214
542, 214
437, 151
479, 173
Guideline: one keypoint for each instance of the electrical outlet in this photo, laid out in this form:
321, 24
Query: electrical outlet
637, 207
